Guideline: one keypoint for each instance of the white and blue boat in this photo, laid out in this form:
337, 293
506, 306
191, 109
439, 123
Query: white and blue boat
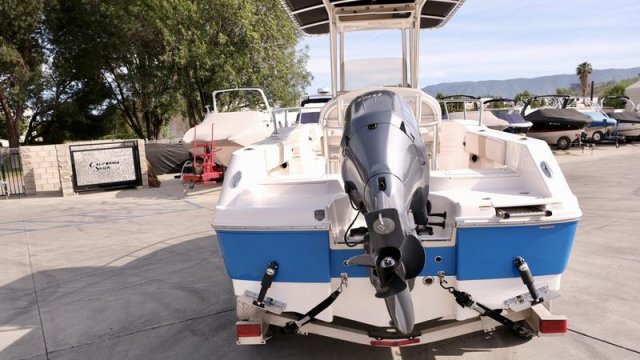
384, 225
602, 126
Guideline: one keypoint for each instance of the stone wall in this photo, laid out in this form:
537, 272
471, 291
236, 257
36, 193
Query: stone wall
47, 168
40, 169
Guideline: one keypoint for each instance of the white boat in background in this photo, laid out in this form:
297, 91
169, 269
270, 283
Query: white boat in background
508, 112
628, 120
477, 112
384, 225
232, 130
307, 113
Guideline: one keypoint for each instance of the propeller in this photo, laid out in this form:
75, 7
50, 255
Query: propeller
395, 259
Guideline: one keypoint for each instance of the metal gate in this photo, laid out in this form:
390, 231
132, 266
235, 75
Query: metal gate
11, 179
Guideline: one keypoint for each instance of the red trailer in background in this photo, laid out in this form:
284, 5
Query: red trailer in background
203, 169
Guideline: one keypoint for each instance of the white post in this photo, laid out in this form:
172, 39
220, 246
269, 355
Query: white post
404, 57
342, 75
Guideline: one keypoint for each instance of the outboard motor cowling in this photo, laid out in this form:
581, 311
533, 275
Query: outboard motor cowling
386, 176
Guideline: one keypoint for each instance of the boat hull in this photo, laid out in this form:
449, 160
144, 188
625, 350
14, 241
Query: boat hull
629, 129
228, 132
551, 137
481, 261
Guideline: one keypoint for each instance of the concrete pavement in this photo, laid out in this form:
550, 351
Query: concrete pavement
137, 274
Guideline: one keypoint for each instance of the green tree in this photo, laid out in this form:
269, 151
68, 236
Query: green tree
160, 57
120, 44
522, 96
583, 70
563, 91
21, 60
234, 43
615, 90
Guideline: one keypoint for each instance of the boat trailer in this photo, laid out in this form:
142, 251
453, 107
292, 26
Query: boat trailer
203, 169
526, 316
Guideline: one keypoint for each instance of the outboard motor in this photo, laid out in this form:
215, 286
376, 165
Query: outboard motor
386, 176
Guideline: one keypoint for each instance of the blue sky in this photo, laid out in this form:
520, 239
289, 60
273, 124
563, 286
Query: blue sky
500, 39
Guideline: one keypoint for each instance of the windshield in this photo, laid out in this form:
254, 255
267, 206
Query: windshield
308, 117
362, 73
375, 61
240, 100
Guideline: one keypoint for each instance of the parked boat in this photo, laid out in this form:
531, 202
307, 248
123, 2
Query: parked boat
232, 130
553, 122
307, 113
517, 123
384, 225
601, 126
628, 120
468, 107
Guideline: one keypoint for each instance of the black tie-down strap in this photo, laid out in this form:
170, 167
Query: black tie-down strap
465, 300
293, 326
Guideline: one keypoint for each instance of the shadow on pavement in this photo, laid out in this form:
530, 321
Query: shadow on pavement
172, 302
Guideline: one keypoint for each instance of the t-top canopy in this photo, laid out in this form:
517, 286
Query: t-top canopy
312, 18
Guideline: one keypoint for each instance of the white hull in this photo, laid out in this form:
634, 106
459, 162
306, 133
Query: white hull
488, 119
552, 137
629, 129
229, 132
358, 302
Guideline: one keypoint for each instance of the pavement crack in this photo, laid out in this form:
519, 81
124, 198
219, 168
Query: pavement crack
134, 332
605, 341
33, 282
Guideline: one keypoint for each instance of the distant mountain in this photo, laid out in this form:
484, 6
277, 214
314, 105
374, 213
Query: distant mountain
540, 85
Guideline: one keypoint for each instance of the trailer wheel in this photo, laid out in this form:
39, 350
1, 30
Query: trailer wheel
597, 136
564, 143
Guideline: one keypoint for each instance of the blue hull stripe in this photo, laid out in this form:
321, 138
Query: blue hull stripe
303, 256
481, 253
488, 253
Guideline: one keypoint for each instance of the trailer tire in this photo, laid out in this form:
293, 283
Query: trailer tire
564, 143
597, 137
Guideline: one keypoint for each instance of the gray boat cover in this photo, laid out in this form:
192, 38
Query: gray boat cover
568, 117
513, 118
625, 117
166, 158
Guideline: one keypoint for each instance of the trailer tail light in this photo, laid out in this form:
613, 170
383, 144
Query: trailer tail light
392, 343
547, 323
249, 333
554, 326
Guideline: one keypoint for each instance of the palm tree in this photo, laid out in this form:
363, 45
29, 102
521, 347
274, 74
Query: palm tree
583, 71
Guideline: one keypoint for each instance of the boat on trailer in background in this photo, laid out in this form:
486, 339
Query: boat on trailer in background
249, 119
384, 225
628, 120
553, 122
244, 123
601, 127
